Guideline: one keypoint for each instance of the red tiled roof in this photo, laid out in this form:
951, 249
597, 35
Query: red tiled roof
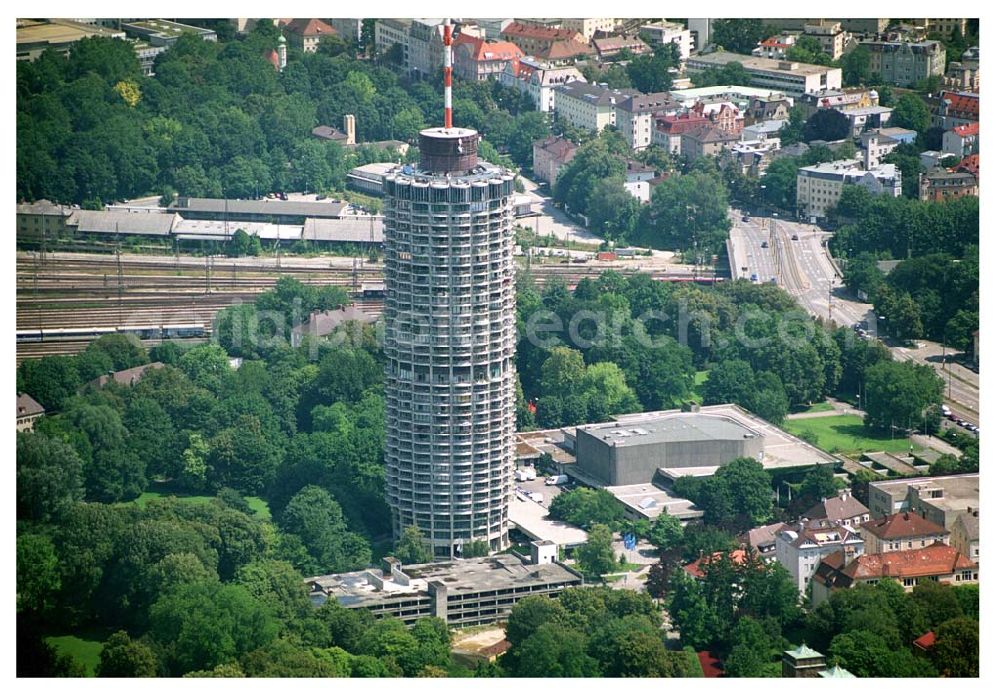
532, 32
680, 123
962, 103
310, 27
925, 641
272, 58
903, 525
561, 50
498, 50
711, 667
696, 568
935, 559
967, 129
970, 164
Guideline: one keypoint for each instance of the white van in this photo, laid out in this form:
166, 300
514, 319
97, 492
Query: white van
557, 480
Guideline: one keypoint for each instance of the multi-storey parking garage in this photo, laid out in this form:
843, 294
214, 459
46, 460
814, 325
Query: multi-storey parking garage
449, 344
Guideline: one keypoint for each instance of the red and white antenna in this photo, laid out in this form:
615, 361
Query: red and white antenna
447, 73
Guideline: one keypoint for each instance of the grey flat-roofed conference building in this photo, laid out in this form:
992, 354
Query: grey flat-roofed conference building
274, 211
630, 454
460, 592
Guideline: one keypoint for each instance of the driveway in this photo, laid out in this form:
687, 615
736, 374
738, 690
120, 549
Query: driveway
552, 221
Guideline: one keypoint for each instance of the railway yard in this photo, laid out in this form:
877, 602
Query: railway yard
80, 291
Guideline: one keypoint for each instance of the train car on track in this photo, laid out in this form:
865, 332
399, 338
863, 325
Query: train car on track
180, 330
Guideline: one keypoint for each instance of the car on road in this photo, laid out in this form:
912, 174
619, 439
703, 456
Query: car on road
795, 237
753, 277
763, 244
746, 218
952, 417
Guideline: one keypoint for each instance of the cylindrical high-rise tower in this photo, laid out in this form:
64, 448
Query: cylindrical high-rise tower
449, 344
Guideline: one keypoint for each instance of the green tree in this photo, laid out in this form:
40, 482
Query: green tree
201, 626
318, 521
412, 548
37, 573
651, 72
686, 211
911, 112
827, 124
855, 67
739, 35
956, 648
122, 657
49, 477
666, 532
900, 394
529, 614
554, 651
597, 556
585, 507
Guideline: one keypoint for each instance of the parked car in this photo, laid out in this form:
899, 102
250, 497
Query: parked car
795, 237
746, 218
536, 497
557, 480
763, 244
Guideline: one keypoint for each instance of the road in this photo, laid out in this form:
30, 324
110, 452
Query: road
552, 221
804, 269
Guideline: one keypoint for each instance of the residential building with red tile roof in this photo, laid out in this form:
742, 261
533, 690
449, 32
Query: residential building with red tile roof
937, 562
565, 52
962, 140
970, 164
305, 34
536, 40
938, 185
668, 129
957, 108
538, 79
481, 60
608, 49
901, 531
697, 568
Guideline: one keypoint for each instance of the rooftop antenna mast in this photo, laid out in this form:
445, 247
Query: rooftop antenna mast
447, 73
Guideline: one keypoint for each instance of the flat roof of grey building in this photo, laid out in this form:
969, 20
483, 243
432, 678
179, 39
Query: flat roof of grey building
232, 206
781, 449
498, 572
722, 58
118, 222
677, 427
959, 490
651, 500
361, 229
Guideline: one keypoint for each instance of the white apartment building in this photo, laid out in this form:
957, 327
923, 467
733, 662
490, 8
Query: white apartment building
789, 77
701, 32
669, 32
819, 186
538, 79
587, 105
425, 50
831, 37
591, 25
634, 117
800, 547
875, 146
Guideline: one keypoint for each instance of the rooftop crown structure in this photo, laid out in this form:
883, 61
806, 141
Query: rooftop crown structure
449, 340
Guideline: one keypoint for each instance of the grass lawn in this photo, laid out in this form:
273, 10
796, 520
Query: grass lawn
85, 647
845, 433
161, 490
822, 407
